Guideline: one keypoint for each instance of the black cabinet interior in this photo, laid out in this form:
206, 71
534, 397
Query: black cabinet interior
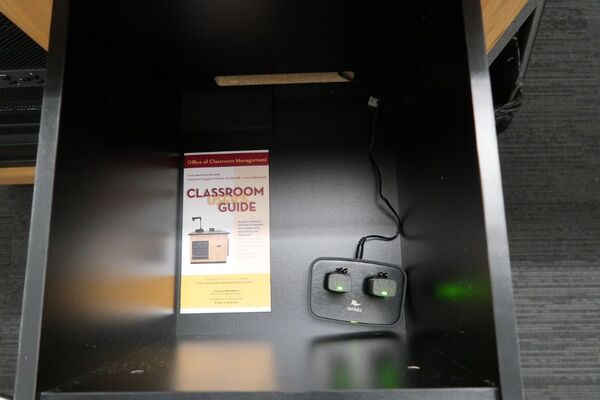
109, 322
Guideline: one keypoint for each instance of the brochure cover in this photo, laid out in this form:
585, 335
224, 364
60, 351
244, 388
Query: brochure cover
225, 251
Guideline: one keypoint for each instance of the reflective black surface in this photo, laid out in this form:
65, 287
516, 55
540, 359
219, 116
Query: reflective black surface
368, 361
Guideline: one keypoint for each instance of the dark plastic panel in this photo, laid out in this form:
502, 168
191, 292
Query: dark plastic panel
369, 362
444, 247
109, 284
322, 202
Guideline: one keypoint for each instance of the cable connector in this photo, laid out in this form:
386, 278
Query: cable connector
373, 102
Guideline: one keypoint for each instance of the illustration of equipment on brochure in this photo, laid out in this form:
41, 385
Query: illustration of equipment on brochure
208, 246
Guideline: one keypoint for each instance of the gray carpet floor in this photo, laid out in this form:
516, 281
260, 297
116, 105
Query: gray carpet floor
551, 172
15, 209
551, 168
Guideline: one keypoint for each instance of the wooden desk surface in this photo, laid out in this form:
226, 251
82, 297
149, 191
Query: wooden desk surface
17, 175
33, 17
497, 17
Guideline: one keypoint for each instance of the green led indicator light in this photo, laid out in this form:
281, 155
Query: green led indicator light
354, 322
384, 293
340, 288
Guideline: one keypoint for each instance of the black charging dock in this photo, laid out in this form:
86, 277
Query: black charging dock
375, 295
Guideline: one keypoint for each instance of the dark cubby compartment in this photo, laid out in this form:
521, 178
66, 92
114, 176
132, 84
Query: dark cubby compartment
131, 88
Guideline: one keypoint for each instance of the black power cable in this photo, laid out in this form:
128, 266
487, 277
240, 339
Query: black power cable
505, 113
360, 247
